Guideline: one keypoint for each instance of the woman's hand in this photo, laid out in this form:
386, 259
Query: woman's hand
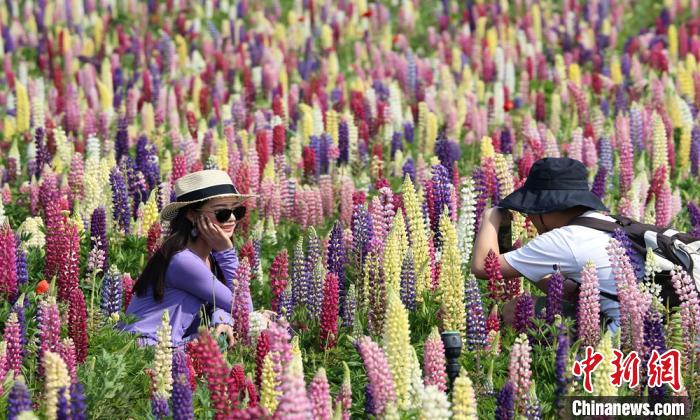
213, 234
228, 330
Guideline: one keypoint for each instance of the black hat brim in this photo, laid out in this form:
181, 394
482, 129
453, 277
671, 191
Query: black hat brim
528, 201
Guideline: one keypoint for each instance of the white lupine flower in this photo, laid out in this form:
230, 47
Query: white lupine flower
163, 361
498, 101
434, 404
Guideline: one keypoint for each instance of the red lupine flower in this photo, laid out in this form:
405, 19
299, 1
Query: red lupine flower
279, 276
329, 312
77, 323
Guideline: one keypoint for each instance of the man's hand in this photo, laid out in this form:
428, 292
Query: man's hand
228, 330
213, 234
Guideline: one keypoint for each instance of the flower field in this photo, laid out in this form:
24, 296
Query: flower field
375, 135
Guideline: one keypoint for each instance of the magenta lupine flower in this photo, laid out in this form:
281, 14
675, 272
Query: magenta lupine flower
128, 288
240, 309
380, 381
434, 361
319, 395
8, 254
555, 293
633, 303
77, 323
329, 315
588, 317
279, 277
14, 351
69, 267
347, 189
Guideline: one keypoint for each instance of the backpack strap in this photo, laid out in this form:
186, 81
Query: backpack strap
597, 224
634, 230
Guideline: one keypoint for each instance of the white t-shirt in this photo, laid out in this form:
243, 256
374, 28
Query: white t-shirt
570, 247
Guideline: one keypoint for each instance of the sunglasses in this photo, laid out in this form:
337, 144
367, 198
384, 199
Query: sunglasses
223, 215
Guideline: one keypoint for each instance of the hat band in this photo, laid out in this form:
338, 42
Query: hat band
556, 184
203, 193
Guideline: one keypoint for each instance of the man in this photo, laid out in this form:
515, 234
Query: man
555, 192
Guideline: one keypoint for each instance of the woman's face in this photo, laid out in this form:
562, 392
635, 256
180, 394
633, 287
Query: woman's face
210, 208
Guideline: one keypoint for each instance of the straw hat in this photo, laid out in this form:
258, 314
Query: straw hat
200, 186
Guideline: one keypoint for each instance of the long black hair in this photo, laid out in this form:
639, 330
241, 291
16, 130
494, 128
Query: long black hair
153, 275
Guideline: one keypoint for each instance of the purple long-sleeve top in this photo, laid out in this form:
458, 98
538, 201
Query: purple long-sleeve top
189, 284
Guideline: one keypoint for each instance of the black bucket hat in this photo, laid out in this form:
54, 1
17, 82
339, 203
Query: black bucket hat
553, 184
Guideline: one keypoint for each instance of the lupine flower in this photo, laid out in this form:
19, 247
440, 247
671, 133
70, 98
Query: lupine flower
451, 280
162, 367
8, 275
350, 307
561, 372
374, 287
524, 313
533, 409
111, 292
417, 238
505, 402
408, 281
465, 224
555, 293
336, 257
395, 248
476, 324
602, 385
278, 277
67, 353
301, 282
213, 367
633, 302
240, 310
434, 361
689, 309
98, 233
77, 323
78, 407
439, 199
520, 374
329, 315
495, 283
588, 318
13, 339
434, 404
120, 200
20, 262
598, 188
630, 251
654, 339
343, 400
56, 383
319, 395
49, 325
236, 383
397, 344
463, 398
380, 387
294, 402
127, 288
181, 399
18, 401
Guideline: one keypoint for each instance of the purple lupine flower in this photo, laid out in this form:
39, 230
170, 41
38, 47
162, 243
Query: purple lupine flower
605, 154
159, 406
411, 74
77, 402
409, 168
693, 212
120, 199
408, 132
62, 409
637, 129
605, 107
18, 401
121, 143
19, 309
337, 258
555, 293
654, 339
441, 198
524, 312
380, 385
343, 143
361, 226
447, 151
562, 362
300, 280
13, 339
350, 306
286, 302
396, 143
620, 100
137, 185
476, 325
111, 293
635, 258
322, 154
20, 262
181, 398
481, 194
43, 157
506, 142
98, 233
408, 281
315, 144
505, 402
598, 188
695, 150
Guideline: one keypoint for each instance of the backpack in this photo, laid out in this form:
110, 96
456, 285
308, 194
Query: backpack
670, 247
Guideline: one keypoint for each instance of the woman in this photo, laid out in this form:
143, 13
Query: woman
193, 266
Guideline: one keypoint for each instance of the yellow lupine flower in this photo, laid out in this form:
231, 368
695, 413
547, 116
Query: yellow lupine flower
491, 40
163, 361
431, 131
616, 70
181, 47
575, 73
317, 117
326, 37
92, 189
150, 212
537, 23
397, 344
419, 240
332, 125
602, 385
297, 362
106, 96
422, 121
8, 127
56, 377
487, 150
22, 107
451, 288
396, 247
672, 42
14, 153
481, 27
222, 154
307, 123
504, 173
560, 67
268, 385
98, 31
690, 63
684, 147
463, 399
64, 150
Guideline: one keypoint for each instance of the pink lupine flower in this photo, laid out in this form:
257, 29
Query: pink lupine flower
519, 370
319, 395
329, 313
13, 338
240, 308
67, 353
380, 381
589, 306
663, 205
690, 309
8, 250
434, 361
49, 326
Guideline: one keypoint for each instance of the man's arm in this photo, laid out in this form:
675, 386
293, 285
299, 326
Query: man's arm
486, 240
